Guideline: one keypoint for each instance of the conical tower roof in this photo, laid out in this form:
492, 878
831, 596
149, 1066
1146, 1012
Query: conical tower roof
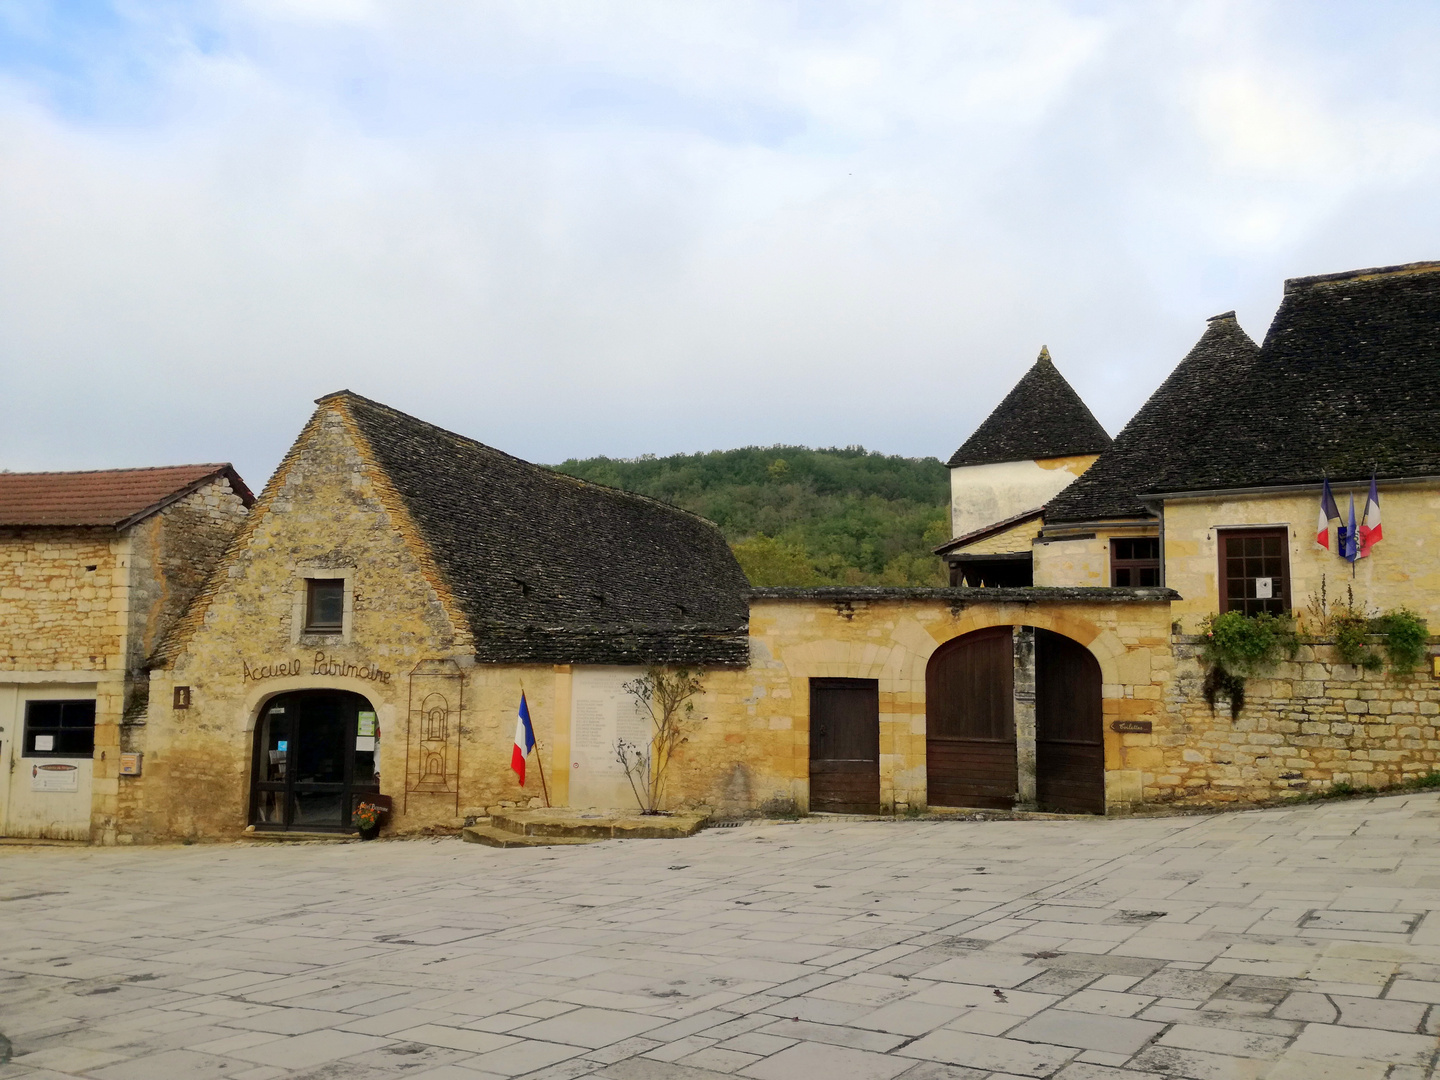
1042, 417
1151, 451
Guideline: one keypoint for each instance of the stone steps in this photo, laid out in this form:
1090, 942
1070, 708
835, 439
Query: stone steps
539, 828
493, 836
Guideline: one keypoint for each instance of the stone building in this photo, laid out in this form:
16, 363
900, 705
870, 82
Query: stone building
1036, 442
397, 587
391, 595
95, 567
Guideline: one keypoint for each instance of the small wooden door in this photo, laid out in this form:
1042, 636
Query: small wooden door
1069, 727
970, 721
845, 746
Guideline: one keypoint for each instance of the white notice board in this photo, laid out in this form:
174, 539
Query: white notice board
601, 713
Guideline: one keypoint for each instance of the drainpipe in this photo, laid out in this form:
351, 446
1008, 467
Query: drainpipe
1157, 507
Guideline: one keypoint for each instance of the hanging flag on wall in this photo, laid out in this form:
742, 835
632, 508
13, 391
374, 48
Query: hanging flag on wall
1349, 546
1370, 531
1328, 513
524, 740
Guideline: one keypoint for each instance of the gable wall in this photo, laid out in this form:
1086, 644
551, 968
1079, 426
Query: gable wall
322, 514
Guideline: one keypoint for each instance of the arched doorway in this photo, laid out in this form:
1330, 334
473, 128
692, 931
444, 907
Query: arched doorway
970, 721
315, 755
1069, 727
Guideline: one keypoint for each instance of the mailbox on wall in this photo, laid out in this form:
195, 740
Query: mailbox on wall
130, 764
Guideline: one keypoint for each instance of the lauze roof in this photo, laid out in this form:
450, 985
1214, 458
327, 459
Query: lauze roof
1347, 381
551, 569
109, 498
1042, 417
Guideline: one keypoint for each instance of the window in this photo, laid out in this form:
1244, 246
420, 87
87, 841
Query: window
1255, 571
324, 605
1135, 561
59, 728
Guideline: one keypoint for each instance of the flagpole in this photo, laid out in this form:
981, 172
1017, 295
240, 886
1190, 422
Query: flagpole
539, 756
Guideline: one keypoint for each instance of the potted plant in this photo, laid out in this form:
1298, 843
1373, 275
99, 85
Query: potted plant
367, 819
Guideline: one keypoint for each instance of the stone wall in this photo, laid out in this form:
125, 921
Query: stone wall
171, 554
1083, 561
1311, 723
753, 750
61, 600
981, 495
1403, 569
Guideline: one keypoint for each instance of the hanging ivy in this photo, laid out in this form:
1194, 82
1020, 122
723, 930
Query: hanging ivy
1236, 646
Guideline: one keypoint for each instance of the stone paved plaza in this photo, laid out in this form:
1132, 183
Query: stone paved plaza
1301, 944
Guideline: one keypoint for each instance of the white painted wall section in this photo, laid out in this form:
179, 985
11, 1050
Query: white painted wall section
981, 495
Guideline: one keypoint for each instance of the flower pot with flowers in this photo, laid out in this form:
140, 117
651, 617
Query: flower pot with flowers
367, 819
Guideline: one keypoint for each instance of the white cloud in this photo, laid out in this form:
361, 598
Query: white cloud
570, 229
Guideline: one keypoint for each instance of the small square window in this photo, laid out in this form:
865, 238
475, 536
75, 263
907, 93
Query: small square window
324, 605
1135, 561
59, 729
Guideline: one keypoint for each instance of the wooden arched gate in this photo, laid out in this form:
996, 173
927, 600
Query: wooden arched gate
970, 740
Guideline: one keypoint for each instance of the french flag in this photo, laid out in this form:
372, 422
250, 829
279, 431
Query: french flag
1328, 513
524, 740
1370, 531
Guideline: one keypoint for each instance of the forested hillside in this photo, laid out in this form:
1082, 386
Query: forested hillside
796, 516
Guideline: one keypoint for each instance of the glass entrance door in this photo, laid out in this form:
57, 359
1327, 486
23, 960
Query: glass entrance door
315, 755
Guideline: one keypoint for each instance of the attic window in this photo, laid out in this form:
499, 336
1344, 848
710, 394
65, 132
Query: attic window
324, 605
599, 598
524, 588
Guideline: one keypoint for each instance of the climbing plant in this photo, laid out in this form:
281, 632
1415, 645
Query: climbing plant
1235, 646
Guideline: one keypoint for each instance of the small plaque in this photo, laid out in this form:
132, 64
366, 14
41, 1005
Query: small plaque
1435, 665
130, 764
1132, 727
182, 697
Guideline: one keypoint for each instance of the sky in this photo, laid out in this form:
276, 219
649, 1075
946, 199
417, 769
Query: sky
571, 229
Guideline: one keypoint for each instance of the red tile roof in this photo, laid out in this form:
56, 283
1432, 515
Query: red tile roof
105, 497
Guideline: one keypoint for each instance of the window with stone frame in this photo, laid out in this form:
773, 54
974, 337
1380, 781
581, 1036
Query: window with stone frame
324, 605
1254, 570
1135, 560
59, 729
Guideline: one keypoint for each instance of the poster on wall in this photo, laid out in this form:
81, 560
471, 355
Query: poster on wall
602, 713
54, 778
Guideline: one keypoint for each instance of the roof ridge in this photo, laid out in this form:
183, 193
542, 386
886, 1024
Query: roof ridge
213, 466
1396, 270
635, 495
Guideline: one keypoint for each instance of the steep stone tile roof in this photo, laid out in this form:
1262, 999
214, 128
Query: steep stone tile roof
1150, 450
551, 569
1346, 381
1042, 417
107, 498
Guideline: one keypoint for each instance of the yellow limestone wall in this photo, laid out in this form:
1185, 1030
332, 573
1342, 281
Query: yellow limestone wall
1402, 570
326, 511
1083, 562
753, 750
1016, 539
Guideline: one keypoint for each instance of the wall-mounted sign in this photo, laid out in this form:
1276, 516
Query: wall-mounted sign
54, 778
1131, 727
130, 764
323, 664
181, 698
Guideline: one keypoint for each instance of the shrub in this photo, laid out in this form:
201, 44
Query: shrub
1405, 635
1237, 646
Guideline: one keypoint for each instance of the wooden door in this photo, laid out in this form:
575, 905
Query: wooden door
1069, 727
970, 721
845, 746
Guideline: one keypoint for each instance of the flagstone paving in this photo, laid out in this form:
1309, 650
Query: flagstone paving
1294, 944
